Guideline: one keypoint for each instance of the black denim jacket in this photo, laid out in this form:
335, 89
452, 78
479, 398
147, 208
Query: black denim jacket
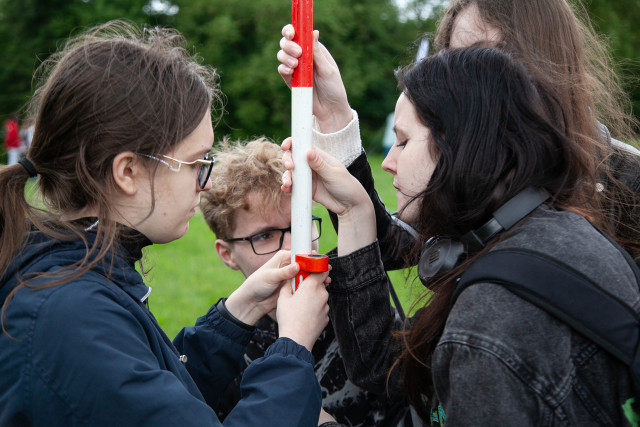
500, 360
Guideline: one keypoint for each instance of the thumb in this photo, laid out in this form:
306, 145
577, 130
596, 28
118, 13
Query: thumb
280, 259
323, 164
281, 266
316, 160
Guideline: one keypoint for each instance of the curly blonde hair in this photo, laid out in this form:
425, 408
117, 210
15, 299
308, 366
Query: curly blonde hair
242, 170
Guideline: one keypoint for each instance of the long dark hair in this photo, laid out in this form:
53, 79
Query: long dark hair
114, 88
492, 135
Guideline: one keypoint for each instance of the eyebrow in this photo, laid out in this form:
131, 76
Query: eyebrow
268, 228
201, 153
397, 130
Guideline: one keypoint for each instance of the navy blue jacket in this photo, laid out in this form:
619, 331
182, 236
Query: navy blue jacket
89, 352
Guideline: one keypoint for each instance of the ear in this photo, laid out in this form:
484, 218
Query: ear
127, 169
226, 254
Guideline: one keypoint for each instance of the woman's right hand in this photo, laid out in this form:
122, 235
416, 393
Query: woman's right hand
303, 315
330, 104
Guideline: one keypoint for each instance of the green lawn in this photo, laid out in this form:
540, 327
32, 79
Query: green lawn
187, 276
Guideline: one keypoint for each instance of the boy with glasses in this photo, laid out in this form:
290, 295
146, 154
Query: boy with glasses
251, 218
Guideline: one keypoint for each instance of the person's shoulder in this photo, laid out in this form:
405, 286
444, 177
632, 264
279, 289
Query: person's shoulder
72, 315
563, 236
560, 234
572, 240
85, 296
90, 302
487, 303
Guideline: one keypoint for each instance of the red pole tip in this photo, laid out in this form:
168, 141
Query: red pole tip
302, 20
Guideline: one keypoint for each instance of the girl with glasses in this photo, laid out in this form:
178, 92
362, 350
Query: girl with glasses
120, 150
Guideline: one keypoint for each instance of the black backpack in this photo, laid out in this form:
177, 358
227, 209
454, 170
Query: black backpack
568, 295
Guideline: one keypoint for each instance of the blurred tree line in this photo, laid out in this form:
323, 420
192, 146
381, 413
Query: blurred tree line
368, 38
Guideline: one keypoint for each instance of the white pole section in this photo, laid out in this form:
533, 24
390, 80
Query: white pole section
301, 126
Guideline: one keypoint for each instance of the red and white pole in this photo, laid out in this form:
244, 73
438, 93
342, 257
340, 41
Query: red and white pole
301, 130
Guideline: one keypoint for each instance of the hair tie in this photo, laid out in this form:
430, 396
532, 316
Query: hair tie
29, 167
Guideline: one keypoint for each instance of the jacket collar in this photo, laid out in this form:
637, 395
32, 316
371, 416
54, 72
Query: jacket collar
43, 252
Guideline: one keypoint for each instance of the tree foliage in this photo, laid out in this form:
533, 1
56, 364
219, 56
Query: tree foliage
241, 39
618, 22
368, 38
30, 30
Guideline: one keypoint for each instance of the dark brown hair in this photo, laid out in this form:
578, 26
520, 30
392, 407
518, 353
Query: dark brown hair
114, 88
493, 134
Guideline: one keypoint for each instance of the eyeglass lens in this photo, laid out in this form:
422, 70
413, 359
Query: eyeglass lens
205, 172
271, 240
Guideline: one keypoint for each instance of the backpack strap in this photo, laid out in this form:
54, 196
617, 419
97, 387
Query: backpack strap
563, 292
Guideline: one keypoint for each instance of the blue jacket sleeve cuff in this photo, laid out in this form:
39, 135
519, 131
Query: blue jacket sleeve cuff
286, 346
222, 309
226, 327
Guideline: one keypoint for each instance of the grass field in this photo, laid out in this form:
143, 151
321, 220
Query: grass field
187, 276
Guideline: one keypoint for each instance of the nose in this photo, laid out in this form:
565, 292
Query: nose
389, 162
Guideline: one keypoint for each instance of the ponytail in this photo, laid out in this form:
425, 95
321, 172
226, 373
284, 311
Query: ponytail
14, 210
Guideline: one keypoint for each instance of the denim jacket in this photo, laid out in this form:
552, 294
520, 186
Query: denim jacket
500, 359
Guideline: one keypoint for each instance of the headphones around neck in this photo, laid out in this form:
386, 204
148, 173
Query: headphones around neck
441, 255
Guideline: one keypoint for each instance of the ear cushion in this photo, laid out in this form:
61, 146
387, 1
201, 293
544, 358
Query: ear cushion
441, 255
438, 256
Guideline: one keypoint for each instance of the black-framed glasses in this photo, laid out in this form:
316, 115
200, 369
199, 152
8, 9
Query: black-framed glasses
204, 170
270, 241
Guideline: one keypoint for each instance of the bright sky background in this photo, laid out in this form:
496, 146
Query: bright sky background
427, 9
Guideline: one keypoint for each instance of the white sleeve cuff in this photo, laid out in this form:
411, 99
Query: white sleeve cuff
345, 145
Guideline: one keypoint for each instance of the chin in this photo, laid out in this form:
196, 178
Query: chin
184, 231
179, 234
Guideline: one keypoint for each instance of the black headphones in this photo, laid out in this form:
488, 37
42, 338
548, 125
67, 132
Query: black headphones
441, 255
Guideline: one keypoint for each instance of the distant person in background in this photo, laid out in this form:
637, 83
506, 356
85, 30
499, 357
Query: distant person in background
12, 140
26, 134
251, 218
